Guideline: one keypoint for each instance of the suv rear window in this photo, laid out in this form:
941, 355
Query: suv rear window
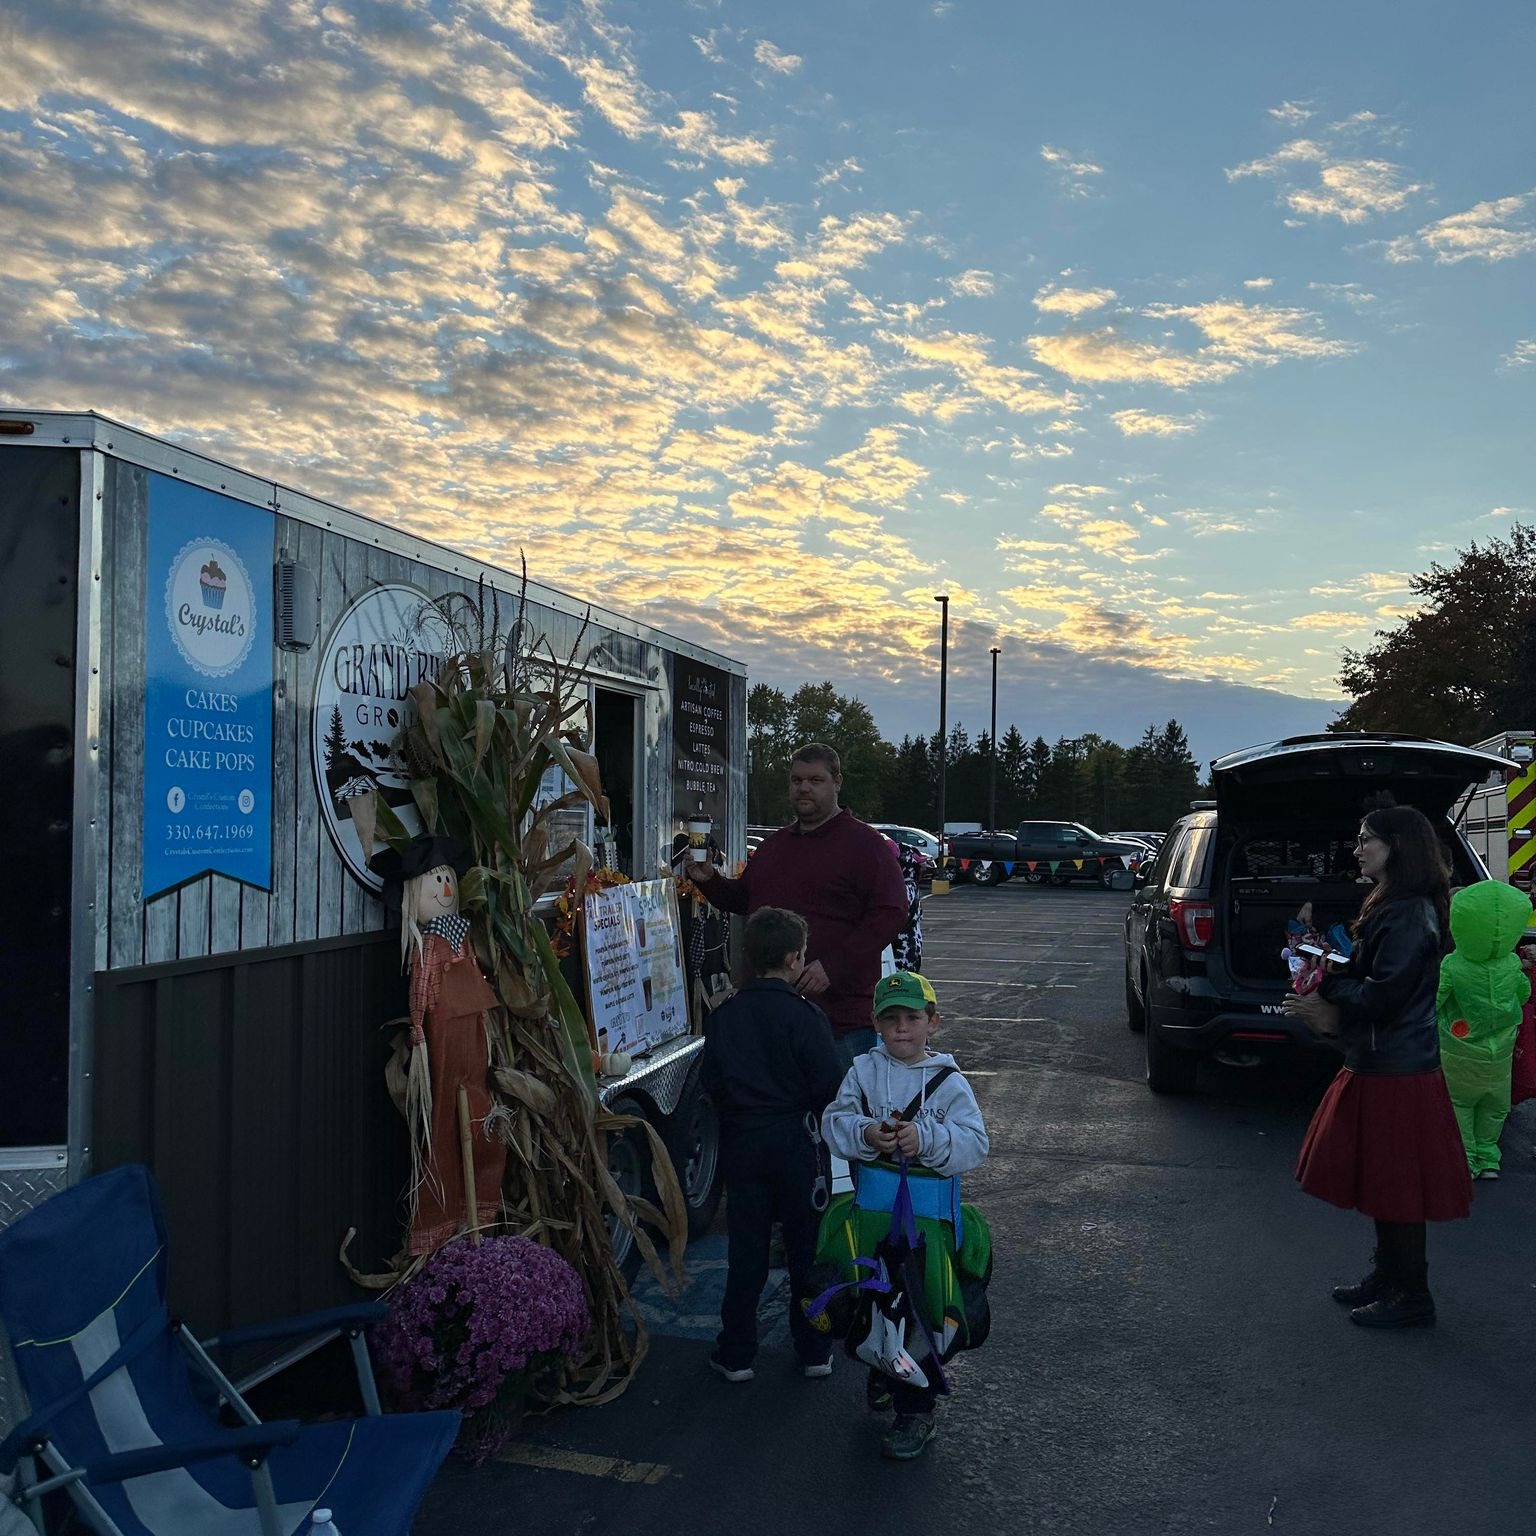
1187, 863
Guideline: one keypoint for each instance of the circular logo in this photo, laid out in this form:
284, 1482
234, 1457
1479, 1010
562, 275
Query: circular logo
389, 640
210, 607
176, 800
247, 802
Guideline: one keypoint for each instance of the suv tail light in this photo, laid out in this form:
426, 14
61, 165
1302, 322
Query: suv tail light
1195, 921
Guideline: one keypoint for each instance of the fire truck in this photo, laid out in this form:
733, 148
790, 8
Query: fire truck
1499, 816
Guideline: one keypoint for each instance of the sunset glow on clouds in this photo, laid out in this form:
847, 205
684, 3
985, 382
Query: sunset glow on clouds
766, 323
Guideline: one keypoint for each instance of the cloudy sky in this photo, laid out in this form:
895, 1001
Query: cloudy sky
1167, 339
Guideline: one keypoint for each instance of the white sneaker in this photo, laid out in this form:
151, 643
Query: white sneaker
1489, 1173
740, 1373
824, 1368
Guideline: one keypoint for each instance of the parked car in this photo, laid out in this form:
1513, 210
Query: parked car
1203, 972
1153, 840
1078, 852
910, 837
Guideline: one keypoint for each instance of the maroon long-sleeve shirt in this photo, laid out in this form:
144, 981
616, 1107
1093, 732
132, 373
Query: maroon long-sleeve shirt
845, 880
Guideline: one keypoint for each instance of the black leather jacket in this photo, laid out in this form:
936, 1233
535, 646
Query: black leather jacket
1386, 999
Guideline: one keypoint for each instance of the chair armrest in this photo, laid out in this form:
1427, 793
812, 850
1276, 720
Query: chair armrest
160, 1458
353, 1315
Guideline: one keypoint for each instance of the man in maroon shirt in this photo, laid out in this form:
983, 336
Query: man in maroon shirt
841, 876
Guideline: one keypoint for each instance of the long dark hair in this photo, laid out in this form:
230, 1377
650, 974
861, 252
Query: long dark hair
1416, 864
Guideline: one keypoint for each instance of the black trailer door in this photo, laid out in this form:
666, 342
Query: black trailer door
39, 538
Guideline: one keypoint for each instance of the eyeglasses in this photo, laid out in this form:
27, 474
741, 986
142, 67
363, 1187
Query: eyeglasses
1370, 837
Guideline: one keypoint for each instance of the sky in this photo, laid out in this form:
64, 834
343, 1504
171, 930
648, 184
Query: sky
1169, 341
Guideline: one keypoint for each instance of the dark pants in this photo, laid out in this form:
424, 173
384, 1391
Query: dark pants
904, 1399
769, 1172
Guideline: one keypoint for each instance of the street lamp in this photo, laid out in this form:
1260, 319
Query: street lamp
942, 599
992, 764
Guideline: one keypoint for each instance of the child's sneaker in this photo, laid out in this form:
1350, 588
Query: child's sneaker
813, 1368
877, 1393
908, 1437
730, 1372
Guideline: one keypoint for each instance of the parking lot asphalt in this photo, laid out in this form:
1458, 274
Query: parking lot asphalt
1164, 1355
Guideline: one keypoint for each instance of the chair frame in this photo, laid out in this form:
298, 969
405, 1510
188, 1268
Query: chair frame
43, 1468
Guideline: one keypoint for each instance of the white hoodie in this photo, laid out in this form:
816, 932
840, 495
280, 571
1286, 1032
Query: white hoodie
950, 1136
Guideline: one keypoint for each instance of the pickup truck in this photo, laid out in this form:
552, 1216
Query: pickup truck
1061, 851
1058, 851
983, 857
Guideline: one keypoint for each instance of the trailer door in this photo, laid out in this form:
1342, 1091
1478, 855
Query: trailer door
616, 744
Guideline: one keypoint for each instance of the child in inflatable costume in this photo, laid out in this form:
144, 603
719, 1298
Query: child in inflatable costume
449, 1043
904, 1100
1482, 992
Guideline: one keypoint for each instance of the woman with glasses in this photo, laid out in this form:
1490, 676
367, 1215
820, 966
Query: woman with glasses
1384, 1140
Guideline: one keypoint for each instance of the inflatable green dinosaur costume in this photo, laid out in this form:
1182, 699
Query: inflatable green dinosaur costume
1482, 991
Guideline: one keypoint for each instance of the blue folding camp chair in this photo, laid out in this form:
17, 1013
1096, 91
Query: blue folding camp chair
117, 1423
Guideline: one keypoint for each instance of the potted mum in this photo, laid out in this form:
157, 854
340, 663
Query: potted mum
485, 1329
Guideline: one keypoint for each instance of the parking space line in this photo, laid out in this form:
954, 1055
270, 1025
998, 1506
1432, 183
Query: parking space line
555, 1458
1028, 986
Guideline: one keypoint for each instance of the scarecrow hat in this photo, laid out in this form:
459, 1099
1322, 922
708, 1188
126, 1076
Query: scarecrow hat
423, 853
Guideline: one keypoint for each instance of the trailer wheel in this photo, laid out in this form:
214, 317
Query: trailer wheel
692, 1135
629, 1161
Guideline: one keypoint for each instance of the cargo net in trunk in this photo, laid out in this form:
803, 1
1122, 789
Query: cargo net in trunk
1271, 878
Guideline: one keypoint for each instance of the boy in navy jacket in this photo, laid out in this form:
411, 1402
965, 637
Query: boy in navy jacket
771, 1068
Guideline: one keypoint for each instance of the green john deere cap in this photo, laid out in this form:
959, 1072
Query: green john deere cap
903, 989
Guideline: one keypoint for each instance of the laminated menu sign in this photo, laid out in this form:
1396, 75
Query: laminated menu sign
635, 986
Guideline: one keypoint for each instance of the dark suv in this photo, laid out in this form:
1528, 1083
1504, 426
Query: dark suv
1207, 921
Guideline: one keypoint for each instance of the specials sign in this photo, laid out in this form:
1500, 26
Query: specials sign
636, 992
207, 688
701, 742
387, 641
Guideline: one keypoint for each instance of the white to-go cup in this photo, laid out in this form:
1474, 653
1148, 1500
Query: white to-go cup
699, 828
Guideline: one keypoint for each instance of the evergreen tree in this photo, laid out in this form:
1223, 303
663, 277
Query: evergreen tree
911, 787
1178, 774
335, 743
1038, 768
1012, 778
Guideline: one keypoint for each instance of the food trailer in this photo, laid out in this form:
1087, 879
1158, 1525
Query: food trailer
205, 667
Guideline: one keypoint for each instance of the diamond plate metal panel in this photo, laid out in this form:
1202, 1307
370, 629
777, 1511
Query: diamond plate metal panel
661, 1076
22, 1188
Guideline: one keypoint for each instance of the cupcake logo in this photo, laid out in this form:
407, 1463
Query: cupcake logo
210, 607
214, 583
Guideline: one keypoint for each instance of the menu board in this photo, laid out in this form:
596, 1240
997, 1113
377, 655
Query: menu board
636, 989
701, 738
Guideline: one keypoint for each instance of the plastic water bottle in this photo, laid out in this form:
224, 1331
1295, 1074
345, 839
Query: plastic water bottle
320, 1524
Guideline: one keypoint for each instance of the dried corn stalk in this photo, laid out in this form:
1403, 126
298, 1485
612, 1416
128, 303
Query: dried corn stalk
501, 713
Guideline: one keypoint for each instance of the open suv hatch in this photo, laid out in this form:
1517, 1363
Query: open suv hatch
1203, 972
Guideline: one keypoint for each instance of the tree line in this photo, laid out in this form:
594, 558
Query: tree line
1087, 778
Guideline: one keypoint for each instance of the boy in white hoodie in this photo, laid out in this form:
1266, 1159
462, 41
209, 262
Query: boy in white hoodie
906, 1100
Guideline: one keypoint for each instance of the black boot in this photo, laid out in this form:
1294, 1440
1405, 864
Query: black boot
1406, 1302
1373, 1286
1398, 1309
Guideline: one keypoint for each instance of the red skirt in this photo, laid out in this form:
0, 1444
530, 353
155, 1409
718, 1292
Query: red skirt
1387, 1146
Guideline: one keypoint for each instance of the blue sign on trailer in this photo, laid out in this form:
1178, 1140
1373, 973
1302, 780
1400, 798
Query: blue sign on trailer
207, 688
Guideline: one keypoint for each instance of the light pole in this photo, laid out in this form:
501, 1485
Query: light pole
992, 762
942, 599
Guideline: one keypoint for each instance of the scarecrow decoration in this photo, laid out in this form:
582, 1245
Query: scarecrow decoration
456, 1150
